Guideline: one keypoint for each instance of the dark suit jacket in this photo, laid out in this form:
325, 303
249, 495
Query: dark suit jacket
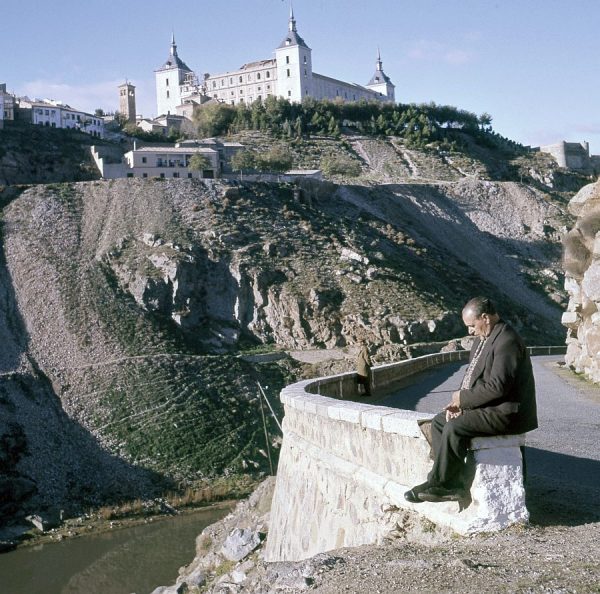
502, 380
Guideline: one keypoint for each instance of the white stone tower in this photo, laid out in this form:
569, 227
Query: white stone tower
127, 101
294, 65
380, 82
169, 77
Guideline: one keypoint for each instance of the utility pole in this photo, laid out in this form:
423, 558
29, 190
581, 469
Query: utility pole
264, 420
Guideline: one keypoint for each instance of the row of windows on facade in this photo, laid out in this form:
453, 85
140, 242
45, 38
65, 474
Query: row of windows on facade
241, 92
241, 79
52, 113
53, 125
249, 76
206, 173
166, 162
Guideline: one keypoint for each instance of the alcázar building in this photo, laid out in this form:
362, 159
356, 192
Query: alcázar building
289, 75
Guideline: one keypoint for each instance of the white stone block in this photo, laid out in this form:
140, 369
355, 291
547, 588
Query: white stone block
498, 442
591, 281
403, 423
570, 319
371, 418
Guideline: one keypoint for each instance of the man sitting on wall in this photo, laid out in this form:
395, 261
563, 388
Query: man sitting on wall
497, 397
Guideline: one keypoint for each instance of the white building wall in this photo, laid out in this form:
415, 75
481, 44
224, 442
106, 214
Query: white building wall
168, 90
384, 90
56, 116
167, 162
294, 72
330, 88
256, 81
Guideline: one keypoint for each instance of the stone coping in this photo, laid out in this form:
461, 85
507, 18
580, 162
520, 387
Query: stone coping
325, 396
302, 396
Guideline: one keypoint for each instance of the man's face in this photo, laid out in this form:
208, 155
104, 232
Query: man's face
477, 326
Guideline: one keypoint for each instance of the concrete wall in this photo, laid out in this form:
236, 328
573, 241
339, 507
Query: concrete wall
108, 170
571, 155
343, 464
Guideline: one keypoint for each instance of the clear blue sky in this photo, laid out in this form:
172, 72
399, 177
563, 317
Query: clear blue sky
534, 65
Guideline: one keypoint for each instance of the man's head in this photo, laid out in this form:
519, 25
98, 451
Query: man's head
479, 316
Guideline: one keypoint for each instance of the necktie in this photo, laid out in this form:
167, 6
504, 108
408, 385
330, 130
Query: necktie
467, 379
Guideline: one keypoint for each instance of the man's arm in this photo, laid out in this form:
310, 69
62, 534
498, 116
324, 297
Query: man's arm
497, 384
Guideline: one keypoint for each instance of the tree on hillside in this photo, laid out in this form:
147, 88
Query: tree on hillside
244, 160
485, 121
199, 162
340, 165
213, 119
277, 159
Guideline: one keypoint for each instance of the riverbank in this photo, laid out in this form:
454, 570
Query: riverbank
221, 493
123, 560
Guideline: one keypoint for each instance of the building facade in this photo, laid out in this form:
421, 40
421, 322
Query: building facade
289, 75
170, 162
7, 105
59, 115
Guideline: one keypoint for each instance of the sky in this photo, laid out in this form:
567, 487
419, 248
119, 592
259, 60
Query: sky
534, 65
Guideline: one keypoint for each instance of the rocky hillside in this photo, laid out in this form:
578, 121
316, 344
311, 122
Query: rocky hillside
582, 265
125, 305
36, 155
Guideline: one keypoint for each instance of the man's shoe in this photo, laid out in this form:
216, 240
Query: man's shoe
439, 494
413, 494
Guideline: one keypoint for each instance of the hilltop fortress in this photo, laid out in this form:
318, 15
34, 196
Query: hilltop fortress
289, 75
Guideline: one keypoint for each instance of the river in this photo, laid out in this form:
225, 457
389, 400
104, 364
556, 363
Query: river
136, 559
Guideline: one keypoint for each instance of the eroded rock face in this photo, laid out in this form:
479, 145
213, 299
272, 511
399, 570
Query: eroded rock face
582, 282
221, 297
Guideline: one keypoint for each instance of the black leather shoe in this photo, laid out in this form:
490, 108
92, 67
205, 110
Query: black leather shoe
439, 494
413, 494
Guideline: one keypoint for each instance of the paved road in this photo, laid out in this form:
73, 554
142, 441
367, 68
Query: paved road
563, 454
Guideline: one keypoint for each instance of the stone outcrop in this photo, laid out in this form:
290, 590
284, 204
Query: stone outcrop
582, 282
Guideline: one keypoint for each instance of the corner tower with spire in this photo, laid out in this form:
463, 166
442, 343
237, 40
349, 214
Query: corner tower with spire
294, 65
380, 82
169, 78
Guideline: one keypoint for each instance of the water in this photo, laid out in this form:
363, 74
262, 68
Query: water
136, 559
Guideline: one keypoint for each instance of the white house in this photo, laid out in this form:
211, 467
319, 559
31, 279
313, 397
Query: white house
170, 162
60, 115
289, 75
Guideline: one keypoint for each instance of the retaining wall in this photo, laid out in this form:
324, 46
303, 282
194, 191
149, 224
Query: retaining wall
344, 465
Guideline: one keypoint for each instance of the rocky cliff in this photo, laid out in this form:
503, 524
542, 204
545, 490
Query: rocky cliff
125, 304
582, 266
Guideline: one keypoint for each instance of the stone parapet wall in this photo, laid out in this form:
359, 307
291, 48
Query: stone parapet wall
581, 261
344, 465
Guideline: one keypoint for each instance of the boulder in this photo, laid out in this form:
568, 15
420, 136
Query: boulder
240, 543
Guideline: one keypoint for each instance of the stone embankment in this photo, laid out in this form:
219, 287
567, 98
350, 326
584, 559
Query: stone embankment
582, 282
345, 465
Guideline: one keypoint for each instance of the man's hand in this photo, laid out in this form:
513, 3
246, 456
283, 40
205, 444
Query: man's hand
452, 411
